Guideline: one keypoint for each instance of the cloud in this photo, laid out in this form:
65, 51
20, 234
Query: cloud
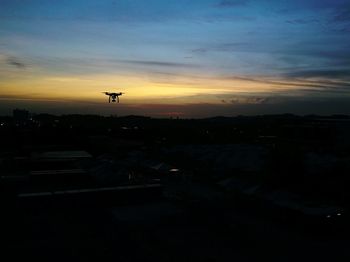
225, 47
342, 15
156, 63
325, 82
290, 80
98, 65
230, 47
232, 3
245, 100
13, 61
327, 73
296, 6
344, 30
200, 50
298, 83
302, 21
122, 11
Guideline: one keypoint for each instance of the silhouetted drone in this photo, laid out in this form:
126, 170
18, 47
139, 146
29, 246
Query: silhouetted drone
113, 96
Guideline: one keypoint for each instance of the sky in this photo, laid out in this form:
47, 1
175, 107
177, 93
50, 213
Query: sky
186, 58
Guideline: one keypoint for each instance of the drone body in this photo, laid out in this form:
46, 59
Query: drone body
113, 96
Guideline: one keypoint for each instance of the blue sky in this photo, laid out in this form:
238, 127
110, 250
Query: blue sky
193, 58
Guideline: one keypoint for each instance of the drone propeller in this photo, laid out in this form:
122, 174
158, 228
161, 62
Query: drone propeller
108, 93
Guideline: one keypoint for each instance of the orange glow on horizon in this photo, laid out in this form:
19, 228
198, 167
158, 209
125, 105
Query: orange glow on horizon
138, 89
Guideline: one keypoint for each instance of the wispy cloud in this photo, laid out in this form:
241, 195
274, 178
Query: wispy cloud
199, 50
288, 80
13, 61
342, 14
302, 21
156, 63
300, 83
326, 73
246, 100
225, 47
232, 3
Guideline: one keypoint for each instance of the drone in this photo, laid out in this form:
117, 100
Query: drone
113, 96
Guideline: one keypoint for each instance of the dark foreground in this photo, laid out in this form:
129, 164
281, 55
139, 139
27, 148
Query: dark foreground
163, 230
272, 188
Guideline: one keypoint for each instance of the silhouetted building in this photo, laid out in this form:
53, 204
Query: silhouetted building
21, 115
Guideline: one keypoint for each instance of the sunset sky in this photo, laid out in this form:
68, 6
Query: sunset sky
187, 58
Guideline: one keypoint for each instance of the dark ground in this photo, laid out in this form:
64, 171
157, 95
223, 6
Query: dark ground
162, 230
307, 156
